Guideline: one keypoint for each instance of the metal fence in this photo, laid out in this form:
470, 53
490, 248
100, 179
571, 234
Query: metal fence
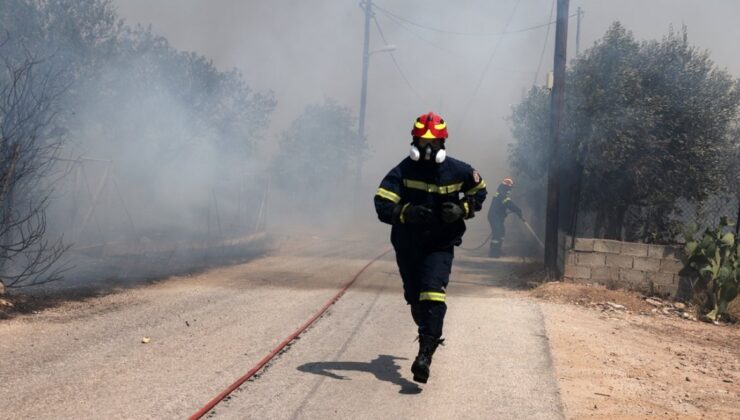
92, 205
658, 223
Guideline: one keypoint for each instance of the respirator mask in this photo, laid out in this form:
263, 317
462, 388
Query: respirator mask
428, 150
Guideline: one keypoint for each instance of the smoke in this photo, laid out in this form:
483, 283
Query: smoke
307, 51
164, 139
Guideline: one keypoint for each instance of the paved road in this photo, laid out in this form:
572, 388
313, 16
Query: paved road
86, 360
355, 363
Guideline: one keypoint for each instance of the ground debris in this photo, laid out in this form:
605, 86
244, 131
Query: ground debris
676, 368
654, 301
616, 306
623, 302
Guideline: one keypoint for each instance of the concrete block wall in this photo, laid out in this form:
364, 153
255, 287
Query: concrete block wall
643, 267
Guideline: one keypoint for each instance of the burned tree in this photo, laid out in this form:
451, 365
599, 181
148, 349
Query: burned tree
30, 91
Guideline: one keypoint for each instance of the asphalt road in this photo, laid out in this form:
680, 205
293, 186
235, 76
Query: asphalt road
87, 359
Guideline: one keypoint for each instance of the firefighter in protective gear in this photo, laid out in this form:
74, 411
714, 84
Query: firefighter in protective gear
501, 206
426, 199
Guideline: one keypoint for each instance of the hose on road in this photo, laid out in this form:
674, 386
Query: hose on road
479, 246
218, 398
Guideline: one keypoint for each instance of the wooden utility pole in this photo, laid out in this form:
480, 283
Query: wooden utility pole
556, 112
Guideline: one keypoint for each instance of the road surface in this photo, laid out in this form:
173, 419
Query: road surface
87, 360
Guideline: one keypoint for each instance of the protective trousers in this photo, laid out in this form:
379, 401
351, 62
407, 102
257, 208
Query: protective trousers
497, 236
425, 277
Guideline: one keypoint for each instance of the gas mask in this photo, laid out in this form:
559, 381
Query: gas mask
428, 150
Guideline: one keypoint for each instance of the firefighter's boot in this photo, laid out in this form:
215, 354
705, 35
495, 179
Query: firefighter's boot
495, 248
427, 346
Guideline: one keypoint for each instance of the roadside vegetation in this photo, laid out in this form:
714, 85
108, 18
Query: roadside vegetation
76, 81
650, 128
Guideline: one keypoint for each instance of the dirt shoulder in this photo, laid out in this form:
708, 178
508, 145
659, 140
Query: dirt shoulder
618, 355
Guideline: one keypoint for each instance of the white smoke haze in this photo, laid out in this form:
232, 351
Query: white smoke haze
305, 51
173, 177
167, 168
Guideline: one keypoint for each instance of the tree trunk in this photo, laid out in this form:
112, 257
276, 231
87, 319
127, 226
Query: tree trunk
615, 222
599, 224
6, 202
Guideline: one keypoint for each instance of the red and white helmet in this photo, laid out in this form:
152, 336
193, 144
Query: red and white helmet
429, 127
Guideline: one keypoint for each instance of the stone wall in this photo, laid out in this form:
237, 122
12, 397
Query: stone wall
643, 267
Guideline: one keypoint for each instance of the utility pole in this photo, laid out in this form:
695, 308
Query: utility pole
367, 5
557, 102
365, 61
578, 30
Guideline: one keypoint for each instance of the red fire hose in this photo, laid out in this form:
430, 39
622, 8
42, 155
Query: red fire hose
218, 398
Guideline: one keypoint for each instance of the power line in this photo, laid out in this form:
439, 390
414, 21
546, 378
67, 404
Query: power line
393, 57
450, 32
429, 28
413, 32
436, 45
544, 46
488, 64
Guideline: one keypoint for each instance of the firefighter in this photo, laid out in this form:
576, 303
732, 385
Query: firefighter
501, 206
425, 199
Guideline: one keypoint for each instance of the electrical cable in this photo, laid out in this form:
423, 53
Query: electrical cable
449, 32
429, 28
413, 32
393, 57
488, 64
404, 23
544, 46
453, 53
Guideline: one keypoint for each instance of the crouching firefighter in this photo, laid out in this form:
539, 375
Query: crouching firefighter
501, 206
426, 199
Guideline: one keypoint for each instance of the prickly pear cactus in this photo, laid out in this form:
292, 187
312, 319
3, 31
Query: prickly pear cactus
712, 262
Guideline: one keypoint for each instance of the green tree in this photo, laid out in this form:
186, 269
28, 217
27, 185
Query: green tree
317, 154
647, 122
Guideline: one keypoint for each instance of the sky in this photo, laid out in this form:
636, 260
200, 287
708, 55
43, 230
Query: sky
449, 58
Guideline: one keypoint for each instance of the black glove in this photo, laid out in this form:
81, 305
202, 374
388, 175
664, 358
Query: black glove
418, 214
451, 212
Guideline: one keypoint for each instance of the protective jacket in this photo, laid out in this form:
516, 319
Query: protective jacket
501, 205
416, 183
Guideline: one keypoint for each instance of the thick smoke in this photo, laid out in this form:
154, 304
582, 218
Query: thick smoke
306, 51
183, 160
